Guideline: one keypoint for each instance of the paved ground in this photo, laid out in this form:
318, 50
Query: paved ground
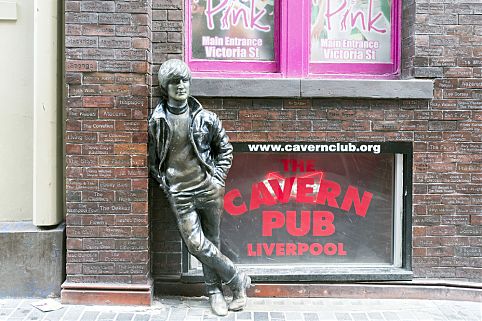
259, 309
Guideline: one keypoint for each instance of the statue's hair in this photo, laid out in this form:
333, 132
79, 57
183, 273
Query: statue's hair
171, 70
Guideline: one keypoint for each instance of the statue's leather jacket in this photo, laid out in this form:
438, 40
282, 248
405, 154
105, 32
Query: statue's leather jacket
209, 141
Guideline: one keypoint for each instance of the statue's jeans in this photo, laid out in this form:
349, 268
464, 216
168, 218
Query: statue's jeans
198, 217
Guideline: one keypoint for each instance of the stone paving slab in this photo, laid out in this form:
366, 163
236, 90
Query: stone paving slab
258, 309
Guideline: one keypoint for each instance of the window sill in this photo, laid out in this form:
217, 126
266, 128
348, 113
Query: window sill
318, 88
314, 274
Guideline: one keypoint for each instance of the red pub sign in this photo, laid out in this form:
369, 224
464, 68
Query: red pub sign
310, 203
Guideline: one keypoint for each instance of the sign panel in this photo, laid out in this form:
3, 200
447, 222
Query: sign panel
233, 30
351, 31
292, 203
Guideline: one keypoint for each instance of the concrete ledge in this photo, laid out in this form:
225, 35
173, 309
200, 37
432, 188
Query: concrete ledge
337, 290
245, 87
329, 88
412, 89
314, 274
32, 260
106, 294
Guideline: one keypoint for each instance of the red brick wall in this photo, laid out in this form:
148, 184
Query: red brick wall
113, 51
107, 49
441, 40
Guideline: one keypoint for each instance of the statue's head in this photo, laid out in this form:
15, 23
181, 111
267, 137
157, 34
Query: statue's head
175, 80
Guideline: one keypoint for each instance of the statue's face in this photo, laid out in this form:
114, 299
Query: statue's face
178, 89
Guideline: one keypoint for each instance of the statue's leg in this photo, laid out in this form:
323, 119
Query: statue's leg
210, 213
189, 224
211, 210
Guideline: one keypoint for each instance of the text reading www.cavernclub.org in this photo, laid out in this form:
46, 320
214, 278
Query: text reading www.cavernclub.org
314, 148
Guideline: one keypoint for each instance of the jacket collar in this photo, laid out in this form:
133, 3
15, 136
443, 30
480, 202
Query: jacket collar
160, 111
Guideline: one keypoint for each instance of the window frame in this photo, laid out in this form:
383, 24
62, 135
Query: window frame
292, 56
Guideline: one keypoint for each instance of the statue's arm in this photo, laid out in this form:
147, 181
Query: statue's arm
223, 156
153, 156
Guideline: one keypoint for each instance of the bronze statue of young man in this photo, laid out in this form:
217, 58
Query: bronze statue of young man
189, 156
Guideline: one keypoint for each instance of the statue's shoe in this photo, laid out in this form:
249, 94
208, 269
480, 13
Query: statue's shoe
238, 286
218, 304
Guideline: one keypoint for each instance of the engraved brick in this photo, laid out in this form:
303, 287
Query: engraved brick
455, 219
93, 172
98, 268
114, 113
469, 189
97, 54
83, 18
167, 26
98, 78
130, 79
325, 125
130, 149
97, 6
98, 30
81, 65
458, 72
475, 148
470, 61
97, 149
385, 125
442, 125
98, 125
443, 104
132, 31
131, 7
131, 172
131, 268
117, 256
131, 102
97, 220
118, 184
131, 220
113, 137
80, 41
458, 94
97, 196
114, 161
114, 42
131, 245
441, 189
470, 83
114, 18
76, 137
98, 102
425, 136
82, 184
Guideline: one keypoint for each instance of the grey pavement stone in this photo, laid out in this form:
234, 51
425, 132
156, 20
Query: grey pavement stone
89, 316
359, 316
104, 316
311, 316
142, 317
20, 313
277, 315
244, 316
266, 309
4, 312
375, 316
325, 316
292, 316
229, 317
261, 316
124, 317
343, 317
391, 316
73, 313
35, 315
